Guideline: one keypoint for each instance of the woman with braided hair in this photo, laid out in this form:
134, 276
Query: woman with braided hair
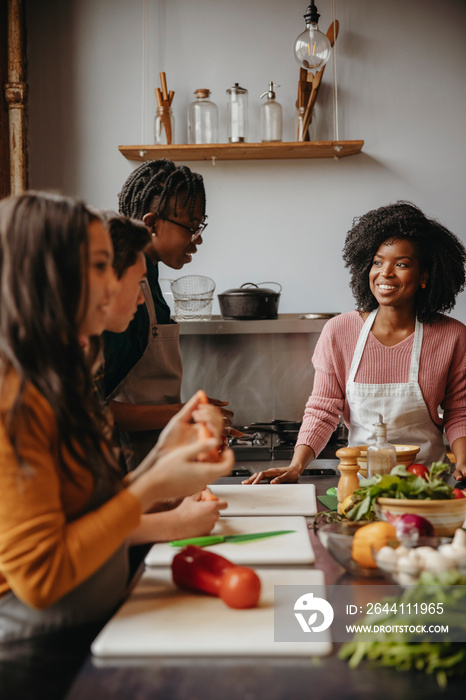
143, 365
397, 355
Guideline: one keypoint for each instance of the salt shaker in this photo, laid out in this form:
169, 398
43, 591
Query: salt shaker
237, 114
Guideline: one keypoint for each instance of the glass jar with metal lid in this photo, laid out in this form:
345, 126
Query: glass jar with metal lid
237, 114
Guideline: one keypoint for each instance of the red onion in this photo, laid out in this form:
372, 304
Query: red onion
410, 525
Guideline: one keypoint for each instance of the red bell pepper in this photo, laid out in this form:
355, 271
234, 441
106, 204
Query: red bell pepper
196, 569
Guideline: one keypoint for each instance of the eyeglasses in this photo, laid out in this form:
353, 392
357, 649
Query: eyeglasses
195, 232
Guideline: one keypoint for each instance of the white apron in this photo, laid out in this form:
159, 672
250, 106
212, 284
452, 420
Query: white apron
154, 379
402, 405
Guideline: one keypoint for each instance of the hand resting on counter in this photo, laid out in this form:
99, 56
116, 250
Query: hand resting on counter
303, 455
277, 475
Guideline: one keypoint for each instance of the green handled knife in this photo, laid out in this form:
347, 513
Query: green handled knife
233, 539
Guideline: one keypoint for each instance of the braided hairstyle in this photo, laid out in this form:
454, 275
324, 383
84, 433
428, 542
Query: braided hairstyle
159, 186
440, 253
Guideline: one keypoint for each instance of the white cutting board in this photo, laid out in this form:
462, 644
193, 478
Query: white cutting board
158, 619
291, 549
268, 499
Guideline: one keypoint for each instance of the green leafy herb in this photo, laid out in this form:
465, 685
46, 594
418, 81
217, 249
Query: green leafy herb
442, 659
327, 517
399, 484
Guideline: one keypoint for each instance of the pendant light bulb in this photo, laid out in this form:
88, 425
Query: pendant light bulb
312, 48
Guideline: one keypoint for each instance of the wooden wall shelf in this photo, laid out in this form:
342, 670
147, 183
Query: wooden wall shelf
244, 151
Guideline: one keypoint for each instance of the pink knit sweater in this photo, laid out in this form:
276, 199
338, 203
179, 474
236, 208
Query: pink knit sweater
442, 374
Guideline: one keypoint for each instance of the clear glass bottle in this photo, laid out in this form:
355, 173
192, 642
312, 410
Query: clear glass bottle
381, 456
202, 119
164, 127
271, 116
237, 114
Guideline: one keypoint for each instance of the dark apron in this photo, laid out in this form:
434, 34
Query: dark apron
154, 379
94, 600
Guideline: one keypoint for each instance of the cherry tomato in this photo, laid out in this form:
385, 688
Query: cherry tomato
418, 470
458, 493
240, 587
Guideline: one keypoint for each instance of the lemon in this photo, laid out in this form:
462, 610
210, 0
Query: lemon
347, 504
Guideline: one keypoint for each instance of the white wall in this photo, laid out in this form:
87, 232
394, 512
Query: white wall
401, 78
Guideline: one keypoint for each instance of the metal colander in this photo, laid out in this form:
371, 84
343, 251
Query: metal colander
193, 296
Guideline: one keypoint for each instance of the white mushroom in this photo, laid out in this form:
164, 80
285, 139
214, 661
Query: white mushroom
457, 554
409, 565
386, 559
436, 562
423, 552
405, 579
402, 551
459, 539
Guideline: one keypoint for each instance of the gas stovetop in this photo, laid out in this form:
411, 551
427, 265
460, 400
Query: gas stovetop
258, 446
252, 445
261, 445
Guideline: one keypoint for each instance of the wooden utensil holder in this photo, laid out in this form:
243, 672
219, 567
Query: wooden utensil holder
164, 101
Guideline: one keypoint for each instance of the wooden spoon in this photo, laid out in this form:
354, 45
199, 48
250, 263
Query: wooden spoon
332, 34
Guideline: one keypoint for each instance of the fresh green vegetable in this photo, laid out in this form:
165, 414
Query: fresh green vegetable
442, 659
399, 484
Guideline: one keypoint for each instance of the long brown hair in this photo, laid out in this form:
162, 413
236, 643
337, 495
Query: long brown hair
43, 250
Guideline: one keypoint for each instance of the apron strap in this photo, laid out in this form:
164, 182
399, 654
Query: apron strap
361, 344
416, 353
150, 308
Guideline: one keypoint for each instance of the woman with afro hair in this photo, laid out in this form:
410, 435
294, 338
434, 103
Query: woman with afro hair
397, 355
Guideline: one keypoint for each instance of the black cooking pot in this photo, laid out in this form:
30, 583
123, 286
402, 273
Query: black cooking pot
250, 301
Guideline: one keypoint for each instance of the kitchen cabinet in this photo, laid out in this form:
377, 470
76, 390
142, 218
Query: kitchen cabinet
244, 151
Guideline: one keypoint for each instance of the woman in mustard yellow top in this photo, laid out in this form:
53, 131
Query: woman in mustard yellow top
65, 515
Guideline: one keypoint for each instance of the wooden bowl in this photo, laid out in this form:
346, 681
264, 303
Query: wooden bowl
445, 515
405, 454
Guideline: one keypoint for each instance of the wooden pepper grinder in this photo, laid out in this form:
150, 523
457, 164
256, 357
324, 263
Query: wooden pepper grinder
349, 467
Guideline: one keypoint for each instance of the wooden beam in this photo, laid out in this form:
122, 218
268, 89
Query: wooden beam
16, 94
4, 130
